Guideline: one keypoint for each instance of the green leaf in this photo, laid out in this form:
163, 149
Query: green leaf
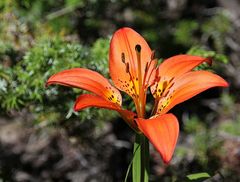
198, 176
136, 169
130, 164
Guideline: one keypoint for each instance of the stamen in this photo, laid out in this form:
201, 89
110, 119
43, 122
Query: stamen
166, 93
153, 55
171, 80
148, 65
127, 68
123, 57
209, 61
146, 68
146, 72
170, 85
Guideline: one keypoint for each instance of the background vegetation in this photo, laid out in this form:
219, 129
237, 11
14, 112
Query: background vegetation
43, 139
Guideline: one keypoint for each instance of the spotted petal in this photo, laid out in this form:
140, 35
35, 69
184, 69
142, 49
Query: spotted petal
123, 62
162, 131
174, 67
189, 85
88, 80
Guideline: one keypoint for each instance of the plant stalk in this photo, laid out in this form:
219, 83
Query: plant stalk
140, 169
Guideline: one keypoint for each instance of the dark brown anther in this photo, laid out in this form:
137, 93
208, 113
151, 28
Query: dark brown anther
153, 55
209, 61
171, 84
166, 93
138, 48
123, 57
127, 68
171, 80
146, 68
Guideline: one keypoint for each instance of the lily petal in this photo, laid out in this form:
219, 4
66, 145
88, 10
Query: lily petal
123, 62
88, 100
88, 80
176, 66
189, 85
162, 131
179, 64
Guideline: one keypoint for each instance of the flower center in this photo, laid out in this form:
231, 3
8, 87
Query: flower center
139, 76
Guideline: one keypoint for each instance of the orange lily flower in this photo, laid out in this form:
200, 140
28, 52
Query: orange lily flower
133, 69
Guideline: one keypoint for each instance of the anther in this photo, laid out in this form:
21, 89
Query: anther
123, 57
127, 68
146, 68
171, 84
153, 55
171, 79
209, 61
166, 93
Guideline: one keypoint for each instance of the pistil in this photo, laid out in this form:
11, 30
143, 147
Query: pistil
140, 85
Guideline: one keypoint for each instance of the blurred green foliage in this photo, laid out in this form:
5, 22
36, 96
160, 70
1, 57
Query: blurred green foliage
212, 31
22, 86
200, 51
46, 51
201, 140
231, 127
184, 30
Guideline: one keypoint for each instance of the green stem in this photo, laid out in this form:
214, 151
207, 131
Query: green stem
140, 169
